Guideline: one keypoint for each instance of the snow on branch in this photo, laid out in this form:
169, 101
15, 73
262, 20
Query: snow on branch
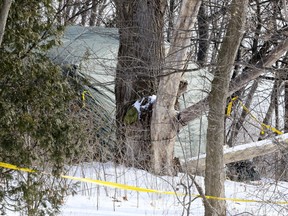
240, 152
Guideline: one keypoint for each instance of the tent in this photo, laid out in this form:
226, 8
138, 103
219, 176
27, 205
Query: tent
91, 52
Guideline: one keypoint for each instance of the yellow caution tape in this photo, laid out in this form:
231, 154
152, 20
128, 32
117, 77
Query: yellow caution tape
83, 97
117, 185
264, 126
86, 92
13, 167
229, 107
268, 127
139, 189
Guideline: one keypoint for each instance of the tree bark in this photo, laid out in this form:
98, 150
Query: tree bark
140, 58
203, 31
164, 118
3, 17
214, 172
171, 14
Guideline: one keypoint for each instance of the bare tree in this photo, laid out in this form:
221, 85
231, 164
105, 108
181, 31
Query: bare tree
164, 124
214, 172
85, 12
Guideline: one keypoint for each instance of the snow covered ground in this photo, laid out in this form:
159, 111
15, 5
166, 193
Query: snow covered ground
93, 199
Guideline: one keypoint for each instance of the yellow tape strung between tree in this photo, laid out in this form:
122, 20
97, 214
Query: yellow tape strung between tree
264, 126
83, 97
139, 189
86, 92
10, 166
229, 107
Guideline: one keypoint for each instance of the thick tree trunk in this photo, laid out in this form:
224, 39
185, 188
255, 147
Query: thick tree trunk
214, 172
140, 58
164, 119
5, 7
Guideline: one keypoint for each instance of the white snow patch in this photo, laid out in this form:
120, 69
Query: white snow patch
93, 199
99, 200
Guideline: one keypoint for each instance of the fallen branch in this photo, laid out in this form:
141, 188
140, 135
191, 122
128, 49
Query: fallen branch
240, 152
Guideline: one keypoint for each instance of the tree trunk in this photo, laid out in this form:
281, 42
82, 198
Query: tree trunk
203, 29
93, 16
171, 14
140, 58
84, 13
164, 119
214, 172
3, 17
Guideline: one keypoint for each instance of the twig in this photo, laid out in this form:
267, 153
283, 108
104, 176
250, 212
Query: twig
202, 195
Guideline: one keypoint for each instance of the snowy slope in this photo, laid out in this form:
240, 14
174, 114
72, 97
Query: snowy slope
93, 199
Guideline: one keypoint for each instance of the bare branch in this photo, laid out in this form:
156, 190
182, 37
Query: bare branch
252, 74
193, 112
